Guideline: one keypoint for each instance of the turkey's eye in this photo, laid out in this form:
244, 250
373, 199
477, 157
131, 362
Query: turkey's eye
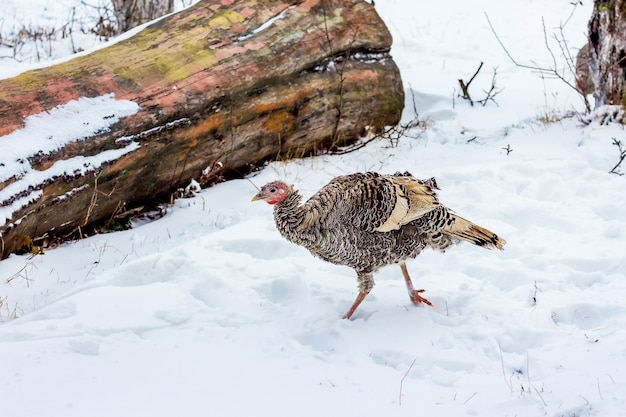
272, 190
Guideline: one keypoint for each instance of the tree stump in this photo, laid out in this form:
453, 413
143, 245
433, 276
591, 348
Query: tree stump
217, 88
607, 51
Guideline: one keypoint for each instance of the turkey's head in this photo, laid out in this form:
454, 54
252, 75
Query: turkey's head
272, 193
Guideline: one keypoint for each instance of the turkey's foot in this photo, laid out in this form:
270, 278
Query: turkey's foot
418, 299
414, 294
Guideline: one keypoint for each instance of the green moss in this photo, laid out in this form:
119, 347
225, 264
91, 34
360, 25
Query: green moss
29, 81
225, 19
152, 54
115, 225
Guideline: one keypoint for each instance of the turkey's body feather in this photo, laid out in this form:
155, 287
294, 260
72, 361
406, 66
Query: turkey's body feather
366, 221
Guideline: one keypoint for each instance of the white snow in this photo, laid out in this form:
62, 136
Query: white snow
265, 25
209, 311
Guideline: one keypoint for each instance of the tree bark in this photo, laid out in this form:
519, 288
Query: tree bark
220, 87
607, 51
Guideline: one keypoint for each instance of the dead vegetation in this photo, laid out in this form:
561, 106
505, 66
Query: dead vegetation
490, 94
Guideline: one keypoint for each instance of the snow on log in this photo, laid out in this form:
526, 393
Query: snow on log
222, 84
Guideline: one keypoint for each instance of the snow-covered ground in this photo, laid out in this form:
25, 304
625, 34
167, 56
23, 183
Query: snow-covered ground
208, 311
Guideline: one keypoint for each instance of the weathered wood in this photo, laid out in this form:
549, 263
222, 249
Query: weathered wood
607, 51
222, 84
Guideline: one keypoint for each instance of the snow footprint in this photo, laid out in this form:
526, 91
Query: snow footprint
259, 248
286, 291
86, 345
586, 316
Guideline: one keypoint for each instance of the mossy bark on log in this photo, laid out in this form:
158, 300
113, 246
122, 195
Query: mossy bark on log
229, 84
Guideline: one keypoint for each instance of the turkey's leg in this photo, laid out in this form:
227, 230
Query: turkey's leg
352, 309
414, 294
366, 283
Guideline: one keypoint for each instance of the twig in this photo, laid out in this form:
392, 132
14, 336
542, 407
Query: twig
94, 198
11, 313
622, 156
470, 397
586, 400
528, 372
540, 396
23, 272
101, 251
508, 383
465, 86
492, 91
402, 381
570, 61
517, 64
475, 74
535, 293
415, 112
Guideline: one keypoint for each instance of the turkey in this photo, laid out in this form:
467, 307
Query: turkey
369, 220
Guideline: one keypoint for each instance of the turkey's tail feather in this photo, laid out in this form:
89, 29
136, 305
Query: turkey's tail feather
470, 232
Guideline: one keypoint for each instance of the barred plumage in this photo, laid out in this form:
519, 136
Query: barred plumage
368, 220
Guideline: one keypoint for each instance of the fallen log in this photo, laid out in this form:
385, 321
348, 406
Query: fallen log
220, 87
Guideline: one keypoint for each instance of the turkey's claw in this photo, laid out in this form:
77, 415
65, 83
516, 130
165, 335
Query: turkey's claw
418, 299
414, 294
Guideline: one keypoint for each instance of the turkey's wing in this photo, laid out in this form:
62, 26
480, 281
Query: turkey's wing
413, 199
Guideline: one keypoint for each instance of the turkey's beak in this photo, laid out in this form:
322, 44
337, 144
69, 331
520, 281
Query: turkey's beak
257, 197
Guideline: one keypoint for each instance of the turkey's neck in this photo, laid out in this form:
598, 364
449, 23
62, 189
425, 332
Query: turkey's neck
289, 217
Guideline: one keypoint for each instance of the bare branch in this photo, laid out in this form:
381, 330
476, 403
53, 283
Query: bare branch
465, 86
492, 91
475, 74
547, 71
